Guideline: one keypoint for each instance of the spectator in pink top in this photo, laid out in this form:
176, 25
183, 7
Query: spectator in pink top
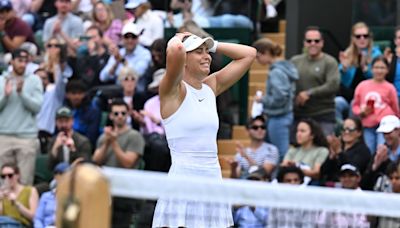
374, 99
104, 18
150, 117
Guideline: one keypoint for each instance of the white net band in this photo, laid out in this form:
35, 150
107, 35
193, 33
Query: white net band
152, 185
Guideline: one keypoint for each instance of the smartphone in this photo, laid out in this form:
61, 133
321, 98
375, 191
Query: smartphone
371, 104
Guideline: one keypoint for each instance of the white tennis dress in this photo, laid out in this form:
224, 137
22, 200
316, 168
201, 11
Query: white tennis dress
191, 133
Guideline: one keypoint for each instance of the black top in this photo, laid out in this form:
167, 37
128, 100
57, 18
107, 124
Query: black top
357, 155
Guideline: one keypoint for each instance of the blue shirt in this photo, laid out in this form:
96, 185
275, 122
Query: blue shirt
46, 212
346, 77
396, 80
52, 100
245, 217
394, 157
139, 60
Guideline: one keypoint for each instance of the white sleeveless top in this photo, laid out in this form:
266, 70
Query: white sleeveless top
192, 132
192, 138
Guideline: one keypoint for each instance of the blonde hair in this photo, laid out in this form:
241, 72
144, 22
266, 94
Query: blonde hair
264, 45
192, 27
353, 51
110, 14
127, 71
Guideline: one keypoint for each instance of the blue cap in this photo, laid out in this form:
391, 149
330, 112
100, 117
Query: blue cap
61, 167
5, 5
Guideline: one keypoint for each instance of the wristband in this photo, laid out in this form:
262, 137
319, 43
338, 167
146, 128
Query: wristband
213, 49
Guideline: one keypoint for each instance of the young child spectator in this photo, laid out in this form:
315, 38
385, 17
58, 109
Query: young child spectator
67, 146
374, 99
278, 102
355, 65
19, 202
349, 148
259, 153
311, 151
21, 96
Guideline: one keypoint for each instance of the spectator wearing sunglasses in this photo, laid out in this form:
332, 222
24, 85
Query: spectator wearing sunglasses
122, 147
119, 145
18, 201
132, 54
318, 83
355, 66
67, 145
259, 153
348, 148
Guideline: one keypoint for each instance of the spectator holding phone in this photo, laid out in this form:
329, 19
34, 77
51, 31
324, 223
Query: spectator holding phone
67, 146
374, 99
18, 202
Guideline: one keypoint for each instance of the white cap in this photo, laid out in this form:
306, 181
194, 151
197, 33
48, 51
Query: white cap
388, 124
193, 42
157, 77
131, 28
132, 4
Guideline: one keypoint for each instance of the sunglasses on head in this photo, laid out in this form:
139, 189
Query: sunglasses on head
9, 175
256, 127
309, 41
52, 45
350, 130
130, 35
117, 113
358, 36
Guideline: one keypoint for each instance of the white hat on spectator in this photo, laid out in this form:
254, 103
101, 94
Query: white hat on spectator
131, 28
388, 124
157, 77
30, 48
132, 4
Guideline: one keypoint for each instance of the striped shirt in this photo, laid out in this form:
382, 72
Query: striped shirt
266, 153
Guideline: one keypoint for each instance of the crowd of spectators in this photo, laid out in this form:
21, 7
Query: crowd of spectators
81, 85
